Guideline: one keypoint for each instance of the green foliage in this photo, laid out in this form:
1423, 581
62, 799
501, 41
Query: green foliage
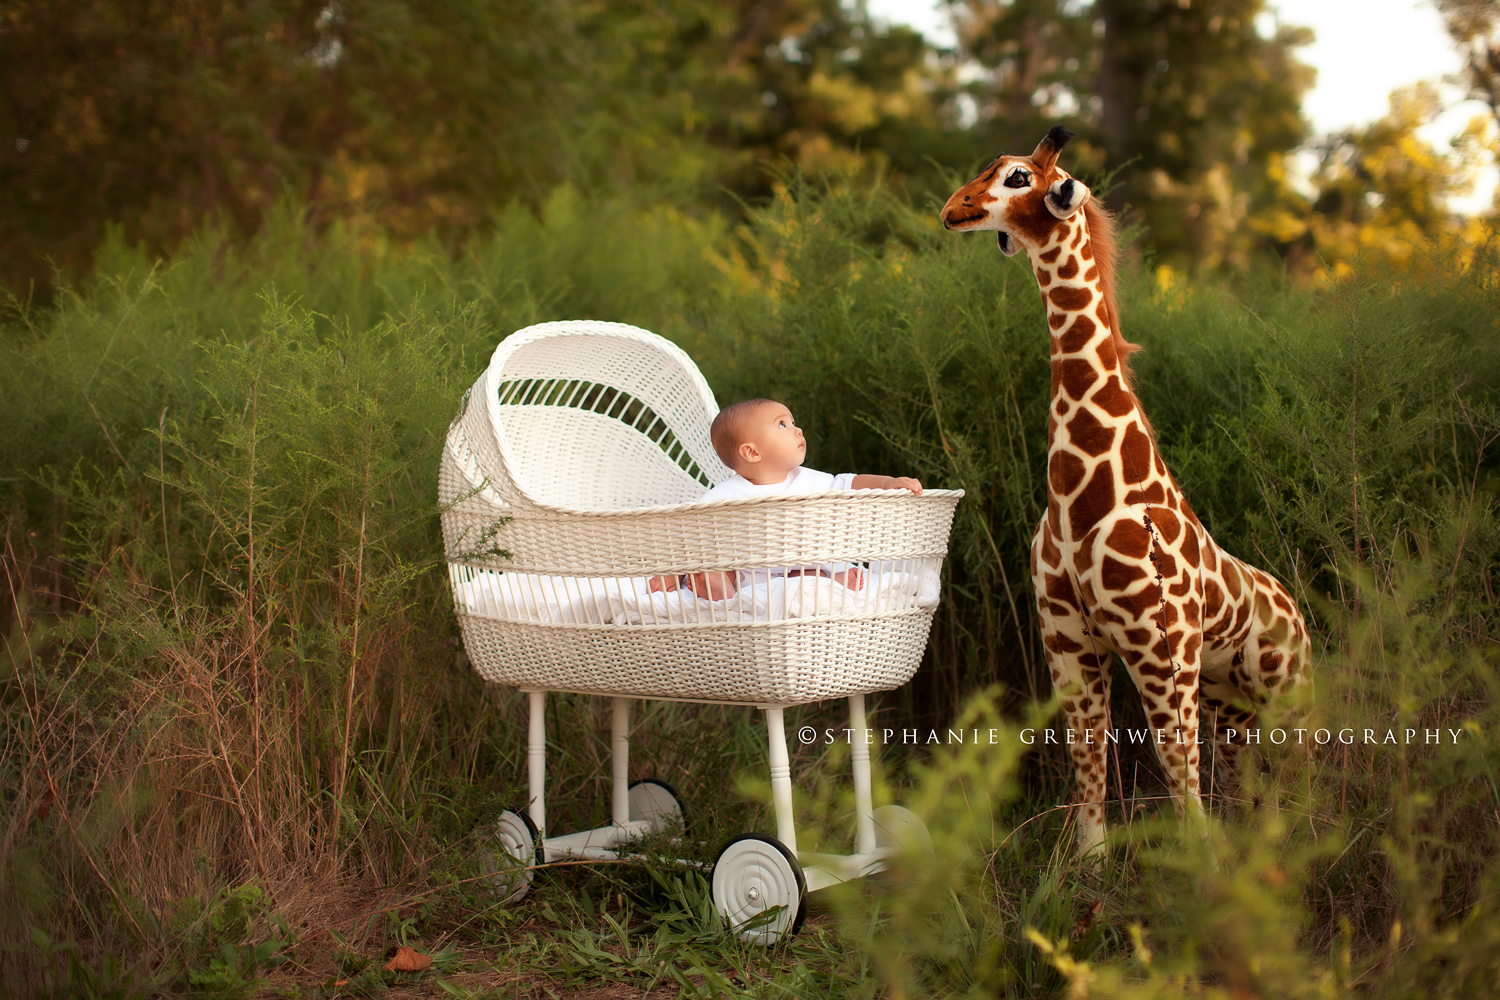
231, 669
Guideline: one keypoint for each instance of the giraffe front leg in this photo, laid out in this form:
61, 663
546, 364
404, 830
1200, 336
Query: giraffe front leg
1078, 664
1167, 676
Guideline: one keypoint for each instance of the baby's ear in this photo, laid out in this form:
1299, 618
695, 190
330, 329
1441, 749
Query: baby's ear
748, 452
1065, 197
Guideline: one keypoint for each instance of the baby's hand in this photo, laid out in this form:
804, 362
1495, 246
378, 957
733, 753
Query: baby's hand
906, 483
853, 578
662, 584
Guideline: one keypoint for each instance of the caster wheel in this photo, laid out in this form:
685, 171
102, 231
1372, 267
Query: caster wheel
657, 802
754, 874
510, 846
899, 827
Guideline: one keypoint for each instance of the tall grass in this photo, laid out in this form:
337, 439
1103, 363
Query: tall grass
231, 659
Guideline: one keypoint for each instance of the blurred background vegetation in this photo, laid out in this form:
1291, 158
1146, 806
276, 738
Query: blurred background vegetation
425, 119
256, 253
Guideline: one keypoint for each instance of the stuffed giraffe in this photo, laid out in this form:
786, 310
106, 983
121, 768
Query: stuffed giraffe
1120, 562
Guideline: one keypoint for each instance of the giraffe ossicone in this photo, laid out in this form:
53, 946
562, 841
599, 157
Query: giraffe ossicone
1120, 563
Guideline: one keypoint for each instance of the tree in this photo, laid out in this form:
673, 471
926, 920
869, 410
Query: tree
1382, 192
1474, 26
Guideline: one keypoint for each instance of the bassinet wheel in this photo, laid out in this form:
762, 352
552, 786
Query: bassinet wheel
508, 850
658, 803
899, 827
752, 875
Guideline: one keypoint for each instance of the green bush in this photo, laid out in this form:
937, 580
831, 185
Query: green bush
231, 655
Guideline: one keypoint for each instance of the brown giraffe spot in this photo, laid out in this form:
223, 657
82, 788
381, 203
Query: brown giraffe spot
1106, 615
1060, 589
1114, 400
1135, 450
1078, 335
1161, 470
1210, 556
1231, 577
1043, 277
1270, 662
1063, 406
1088, 592
1116, 575
1082, 561
1056, 320
1181, 587
1103, 313
1059, 643
1241, 618
1091, 437
1077, 375
1165, 564
1154, 688
1263, 610
1159, 720
1049, 551
1050, 255
1089, 659
1129, 538
1189, 548
1152, 494
1213, 599
1096, 500
1190, 610
1069, 268
1137, 636
1054, 516
1166, 522
1070, 299
1092, 274
1238, 658
1139, 604
1106, 352
1065, 471
1086, 251
1282, 602
1191, 646
1077, 236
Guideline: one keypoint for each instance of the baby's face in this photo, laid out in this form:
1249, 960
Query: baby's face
777, 438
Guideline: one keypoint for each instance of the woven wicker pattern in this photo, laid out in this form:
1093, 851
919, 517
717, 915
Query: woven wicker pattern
581, 453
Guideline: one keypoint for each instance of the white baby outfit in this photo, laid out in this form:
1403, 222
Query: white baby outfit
800, 480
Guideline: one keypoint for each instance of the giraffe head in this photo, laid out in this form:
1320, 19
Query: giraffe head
1021, 197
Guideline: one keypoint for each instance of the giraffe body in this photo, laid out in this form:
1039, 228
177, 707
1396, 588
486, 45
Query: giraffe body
1120, 563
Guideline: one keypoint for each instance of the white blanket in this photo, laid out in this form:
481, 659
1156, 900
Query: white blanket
629, 601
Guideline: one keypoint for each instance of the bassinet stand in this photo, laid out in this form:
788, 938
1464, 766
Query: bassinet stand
753, 873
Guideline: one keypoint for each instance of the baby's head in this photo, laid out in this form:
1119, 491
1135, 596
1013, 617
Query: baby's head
758, 439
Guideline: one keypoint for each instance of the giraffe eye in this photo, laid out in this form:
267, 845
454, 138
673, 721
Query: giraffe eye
1018, 178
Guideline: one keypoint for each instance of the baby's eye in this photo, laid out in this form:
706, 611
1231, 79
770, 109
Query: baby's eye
783, 423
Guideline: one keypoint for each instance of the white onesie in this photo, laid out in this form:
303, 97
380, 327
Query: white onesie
799, 480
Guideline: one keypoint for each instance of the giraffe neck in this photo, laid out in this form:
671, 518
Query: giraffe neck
1095, 426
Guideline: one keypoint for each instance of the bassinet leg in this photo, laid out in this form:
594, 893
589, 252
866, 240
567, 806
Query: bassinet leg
536, 760
781, 780
620, 743
864, 813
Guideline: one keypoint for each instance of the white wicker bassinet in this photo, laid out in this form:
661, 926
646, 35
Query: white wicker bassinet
574, 471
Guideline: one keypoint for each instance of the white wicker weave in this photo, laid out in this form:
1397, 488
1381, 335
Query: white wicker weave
577, 464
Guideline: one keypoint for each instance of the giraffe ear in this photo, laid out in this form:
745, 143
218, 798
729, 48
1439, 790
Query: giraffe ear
1065, 197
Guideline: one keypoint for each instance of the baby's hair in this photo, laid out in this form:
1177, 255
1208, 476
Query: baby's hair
726, 431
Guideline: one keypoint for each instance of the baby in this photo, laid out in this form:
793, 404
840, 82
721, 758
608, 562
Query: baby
761, 442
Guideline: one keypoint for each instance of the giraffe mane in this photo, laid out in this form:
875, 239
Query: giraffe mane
1101, 223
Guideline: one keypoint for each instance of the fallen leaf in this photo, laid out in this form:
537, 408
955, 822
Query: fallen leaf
342, 982
408, 960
